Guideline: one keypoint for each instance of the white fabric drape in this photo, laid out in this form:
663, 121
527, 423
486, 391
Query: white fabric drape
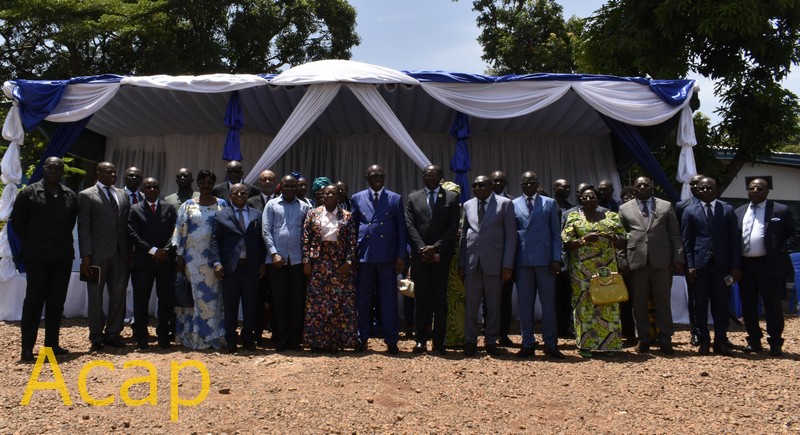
343, 71
497, 100
209, 83
686, 140
81, 100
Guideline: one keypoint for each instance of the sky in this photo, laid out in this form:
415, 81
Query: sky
442, 35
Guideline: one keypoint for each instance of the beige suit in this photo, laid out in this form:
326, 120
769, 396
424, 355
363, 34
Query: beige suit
654, 243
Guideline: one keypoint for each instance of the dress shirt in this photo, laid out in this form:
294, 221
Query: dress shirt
530, 200
757, 247
427, 195
150, 205
105, 192
282, 228
713, 205
372, 194
329, 225
246, 218
130, 195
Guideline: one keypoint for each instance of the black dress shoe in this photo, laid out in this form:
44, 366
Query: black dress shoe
361, 346
58, 350
231, 349
440, 349
392, 349
97, 346
666, 348
695, 340
142, 343
722, 349
470, 349
250, 346
492, 350
752, 349
115, 342
164, 344
642, 347
505, 341
419, 348
27, 356
525, 352
553, 351
704, 349
775, 351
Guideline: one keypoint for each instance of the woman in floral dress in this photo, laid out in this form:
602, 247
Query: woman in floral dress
592, 238
202, 326
329, 257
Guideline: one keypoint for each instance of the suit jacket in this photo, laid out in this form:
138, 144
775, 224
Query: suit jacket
657, 244
539, 232
228, 233
223, 191
681, 206
780, 235
492, 243
258, 203
148, 230
438, 228
722, 244
382, 234
44, 223
101, 234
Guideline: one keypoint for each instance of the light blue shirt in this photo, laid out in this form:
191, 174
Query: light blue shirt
282, 229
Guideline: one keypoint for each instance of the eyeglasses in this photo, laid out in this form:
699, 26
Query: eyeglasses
376, 175
151, 187
756, 189
705, 189
529, 183
133, 176
588, 197
499, 181
238, 193
184, 176
479, 185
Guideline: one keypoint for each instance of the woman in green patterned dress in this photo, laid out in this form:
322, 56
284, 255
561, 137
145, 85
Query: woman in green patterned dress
592, 238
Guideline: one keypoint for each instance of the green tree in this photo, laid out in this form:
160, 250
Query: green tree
526, 36
56, 39
747, 46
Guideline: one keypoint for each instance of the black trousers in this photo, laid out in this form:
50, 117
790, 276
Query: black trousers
163, 274
710, 288
563, 303
755, 282
430, 306
289, 296
47, 288
240, 286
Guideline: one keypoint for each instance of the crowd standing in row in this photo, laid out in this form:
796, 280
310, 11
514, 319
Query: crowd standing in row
322, 277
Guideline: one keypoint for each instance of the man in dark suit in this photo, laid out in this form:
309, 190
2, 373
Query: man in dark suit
103, 240
238, 253
432, 216
382, 240
43, 217
486, 260
561, 192
605, 188
538, 261
133, 181
713, 246
654, 252
499, 183
344, 199
150, 225
184, 179
267, 181
233, 173
679, 208
769, 233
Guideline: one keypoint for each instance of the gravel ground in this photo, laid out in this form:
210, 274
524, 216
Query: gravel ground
372, 392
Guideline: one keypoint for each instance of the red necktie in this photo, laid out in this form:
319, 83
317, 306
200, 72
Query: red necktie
153, 207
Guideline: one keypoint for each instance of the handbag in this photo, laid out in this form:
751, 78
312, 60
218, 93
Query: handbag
183, 291
607, 287
406, 286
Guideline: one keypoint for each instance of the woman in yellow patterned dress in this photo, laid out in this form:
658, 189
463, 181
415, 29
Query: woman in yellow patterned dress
591, 239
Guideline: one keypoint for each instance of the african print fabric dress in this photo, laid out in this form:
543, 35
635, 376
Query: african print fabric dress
597, 327
203, 326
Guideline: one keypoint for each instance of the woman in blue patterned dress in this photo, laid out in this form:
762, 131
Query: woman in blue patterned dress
202, 326
329, 256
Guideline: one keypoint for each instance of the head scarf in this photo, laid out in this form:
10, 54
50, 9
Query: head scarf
319, 183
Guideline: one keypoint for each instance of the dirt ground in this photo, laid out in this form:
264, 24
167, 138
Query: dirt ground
372, 392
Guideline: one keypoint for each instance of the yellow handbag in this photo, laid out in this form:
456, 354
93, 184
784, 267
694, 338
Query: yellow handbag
607, 287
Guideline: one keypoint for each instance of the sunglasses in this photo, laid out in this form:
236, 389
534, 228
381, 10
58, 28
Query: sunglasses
184, 176
151, 187
479, 185
705, 189
239, 193
378, 175
756, 189
529, 183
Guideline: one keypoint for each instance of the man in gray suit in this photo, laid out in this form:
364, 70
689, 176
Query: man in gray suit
486, 259
654, 252
103, 238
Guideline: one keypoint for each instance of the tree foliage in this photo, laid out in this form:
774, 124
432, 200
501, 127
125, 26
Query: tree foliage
56, 39
526, 36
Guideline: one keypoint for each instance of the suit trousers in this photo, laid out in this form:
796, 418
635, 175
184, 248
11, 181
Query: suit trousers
380, 276
530, 281
142, 279
114, 273
652, 284
288, 284
240, 285
564, 304
755, 281
710, 288
430, 287
47, 288
480, 286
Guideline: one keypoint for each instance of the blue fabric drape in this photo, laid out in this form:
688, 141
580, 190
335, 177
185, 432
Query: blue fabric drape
461, 162
234, 121
15, 244
60, 143
628, 135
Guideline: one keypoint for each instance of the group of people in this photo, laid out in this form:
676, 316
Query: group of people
318, 272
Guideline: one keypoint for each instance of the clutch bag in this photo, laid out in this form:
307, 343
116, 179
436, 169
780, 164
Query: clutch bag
406, 287
183, 291
607, 287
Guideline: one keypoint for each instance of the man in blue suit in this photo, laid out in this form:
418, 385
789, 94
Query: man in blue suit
679, 208
713, 248
538, 261
382, 240
769, 233
239, 254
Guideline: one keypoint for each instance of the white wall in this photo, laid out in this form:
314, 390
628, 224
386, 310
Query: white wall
785, 182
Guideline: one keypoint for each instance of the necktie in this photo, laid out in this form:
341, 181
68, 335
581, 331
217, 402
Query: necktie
134, 198
241, 218
645, 213
481, 211
431, 200
748, 229
530, 205
153, 207
375, 199
709, 217
112, 200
